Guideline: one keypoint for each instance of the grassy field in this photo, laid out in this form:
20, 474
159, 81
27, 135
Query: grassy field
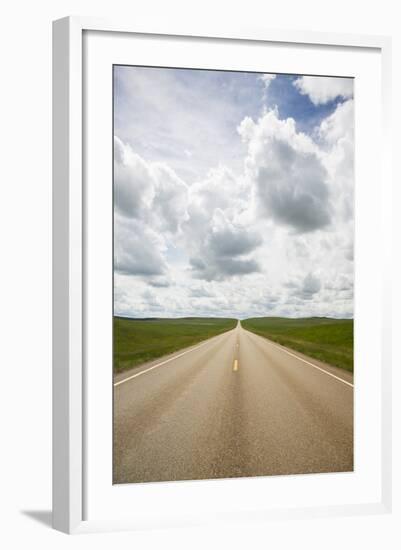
139, 340
329, 340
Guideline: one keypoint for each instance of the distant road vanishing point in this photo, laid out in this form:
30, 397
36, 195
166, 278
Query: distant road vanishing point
237, 405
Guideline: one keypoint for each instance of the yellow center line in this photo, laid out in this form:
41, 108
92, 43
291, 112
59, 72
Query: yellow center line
235, 366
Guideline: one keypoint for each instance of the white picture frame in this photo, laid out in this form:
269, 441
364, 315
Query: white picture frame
70, 260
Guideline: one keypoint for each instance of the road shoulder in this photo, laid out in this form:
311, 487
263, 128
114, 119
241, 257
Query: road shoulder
335, 371
165, 358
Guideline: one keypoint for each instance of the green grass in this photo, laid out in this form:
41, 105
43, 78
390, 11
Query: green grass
329, 340
137, 341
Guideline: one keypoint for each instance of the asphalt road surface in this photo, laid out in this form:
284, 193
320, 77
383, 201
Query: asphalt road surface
236, 405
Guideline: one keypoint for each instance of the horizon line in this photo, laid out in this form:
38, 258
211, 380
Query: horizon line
235, 318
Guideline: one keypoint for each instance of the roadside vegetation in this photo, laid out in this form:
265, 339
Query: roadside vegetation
325, 339
136, 341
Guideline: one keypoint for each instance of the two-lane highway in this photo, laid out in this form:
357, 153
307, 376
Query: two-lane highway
234, 405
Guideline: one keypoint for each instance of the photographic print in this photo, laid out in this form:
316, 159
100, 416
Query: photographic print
233, 273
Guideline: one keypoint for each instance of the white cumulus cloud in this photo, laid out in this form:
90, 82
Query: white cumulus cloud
138, 250
287, 170
321, 90
148, 191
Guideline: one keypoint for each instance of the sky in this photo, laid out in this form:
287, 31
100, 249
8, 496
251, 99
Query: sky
233, 194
